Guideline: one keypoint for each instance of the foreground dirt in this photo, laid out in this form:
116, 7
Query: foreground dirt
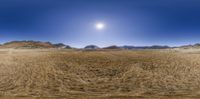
25, 74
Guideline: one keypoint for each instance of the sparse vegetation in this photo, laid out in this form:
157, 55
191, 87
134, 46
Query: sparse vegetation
103, 73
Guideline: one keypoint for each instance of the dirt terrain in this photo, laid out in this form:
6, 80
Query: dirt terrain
105, 74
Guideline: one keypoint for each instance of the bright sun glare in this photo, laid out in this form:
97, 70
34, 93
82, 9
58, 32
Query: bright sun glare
100, 26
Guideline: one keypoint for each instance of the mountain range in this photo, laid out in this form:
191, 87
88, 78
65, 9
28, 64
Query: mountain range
38, 44
32, 45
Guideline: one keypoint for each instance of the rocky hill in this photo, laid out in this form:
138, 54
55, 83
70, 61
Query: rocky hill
61, 45
112, 47
197, 45
32, 44
91, 47
145, 47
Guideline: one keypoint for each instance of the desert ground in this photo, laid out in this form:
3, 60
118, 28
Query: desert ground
102, 74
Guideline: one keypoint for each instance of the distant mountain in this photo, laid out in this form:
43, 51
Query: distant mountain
91, 47
38, 44
128, 47
27, 44
61, 45
197, 45
32, 44
112, 47
145, 47
158, 47
68, 47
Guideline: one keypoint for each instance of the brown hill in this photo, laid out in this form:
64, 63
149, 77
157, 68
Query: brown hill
195, 46
27, 44
112, 47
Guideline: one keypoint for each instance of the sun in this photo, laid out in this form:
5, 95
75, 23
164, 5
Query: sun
100, 26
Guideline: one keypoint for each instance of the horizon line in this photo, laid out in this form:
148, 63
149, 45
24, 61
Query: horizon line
118, 45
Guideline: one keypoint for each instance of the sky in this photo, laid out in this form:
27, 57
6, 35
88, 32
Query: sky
126, 22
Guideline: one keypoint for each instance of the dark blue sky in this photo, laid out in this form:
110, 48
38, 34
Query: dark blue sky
127, 22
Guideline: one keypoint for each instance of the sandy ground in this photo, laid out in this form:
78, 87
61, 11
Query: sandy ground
105, 74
